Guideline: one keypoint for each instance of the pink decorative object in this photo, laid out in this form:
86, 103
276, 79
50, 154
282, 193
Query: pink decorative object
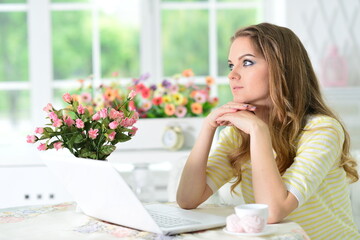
252, 224
334, 71
233, 224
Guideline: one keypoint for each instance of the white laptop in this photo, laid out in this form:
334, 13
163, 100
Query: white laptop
102, 193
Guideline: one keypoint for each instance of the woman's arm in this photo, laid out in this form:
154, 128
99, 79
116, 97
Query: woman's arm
193, 190
268, 185
267, 182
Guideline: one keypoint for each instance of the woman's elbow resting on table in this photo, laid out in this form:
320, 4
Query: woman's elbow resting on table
190, 201
279, 211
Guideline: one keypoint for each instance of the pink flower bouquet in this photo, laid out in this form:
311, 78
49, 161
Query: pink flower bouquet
84, 133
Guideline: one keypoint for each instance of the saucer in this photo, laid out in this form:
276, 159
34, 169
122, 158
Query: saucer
268, 230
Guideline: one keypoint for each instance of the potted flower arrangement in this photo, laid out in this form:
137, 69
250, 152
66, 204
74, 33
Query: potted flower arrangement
84, 132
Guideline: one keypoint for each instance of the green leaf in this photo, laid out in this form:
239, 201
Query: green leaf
121, 137
107, 149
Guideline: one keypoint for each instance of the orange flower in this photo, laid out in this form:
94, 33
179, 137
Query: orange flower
193, 93
110, 94
196, 108
188, 73
209, 80
169, 109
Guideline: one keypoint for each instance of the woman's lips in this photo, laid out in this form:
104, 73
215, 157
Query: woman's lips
237, 88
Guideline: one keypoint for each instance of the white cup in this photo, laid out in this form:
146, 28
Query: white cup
253, 216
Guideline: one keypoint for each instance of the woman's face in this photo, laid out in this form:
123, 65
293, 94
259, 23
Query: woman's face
249, 75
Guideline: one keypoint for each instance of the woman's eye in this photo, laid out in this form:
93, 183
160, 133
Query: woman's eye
231, 66
248, 63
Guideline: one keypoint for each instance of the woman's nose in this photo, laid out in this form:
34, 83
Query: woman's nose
233, 75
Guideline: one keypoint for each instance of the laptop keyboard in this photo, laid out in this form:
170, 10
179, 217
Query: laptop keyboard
167, 221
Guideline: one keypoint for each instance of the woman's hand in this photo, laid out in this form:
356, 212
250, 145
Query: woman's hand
243, 118
229, 108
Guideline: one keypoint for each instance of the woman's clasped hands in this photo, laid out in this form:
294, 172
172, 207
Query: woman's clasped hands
240, 115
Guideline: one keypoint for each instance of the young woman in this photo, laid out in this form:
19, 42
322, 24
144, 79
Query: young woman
282, 145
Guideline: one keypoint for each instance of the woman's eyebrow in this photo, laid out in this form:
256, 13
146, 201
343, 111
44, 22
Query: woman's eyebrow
242, 56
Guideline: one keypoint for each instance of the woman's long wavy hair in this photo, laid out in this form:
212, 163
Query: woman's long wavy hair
294, 94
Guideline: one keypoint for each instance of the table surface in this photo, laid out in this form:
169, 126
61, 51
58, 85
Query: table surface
62, 221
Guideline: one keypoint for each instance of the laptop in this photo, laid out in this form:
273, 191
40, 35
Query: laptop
102, 193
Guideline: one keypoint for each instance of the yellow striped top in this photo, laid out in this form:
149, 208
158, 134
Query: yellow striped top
321, 187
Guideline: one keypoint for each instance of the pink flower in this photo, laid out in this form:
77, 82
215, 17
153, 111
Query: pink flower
80, 109
112, 136
93, 133
103, 113
42, 147
127, 122
96, 116
180, 111
31, 138
200, 97
68, 120
39, 130
79, 123
58, 145
146, 105
48, 108
57, 122
67, 98
133, 131
53, 116
132, 94
113, 125
86, 97
115, 114
132, 106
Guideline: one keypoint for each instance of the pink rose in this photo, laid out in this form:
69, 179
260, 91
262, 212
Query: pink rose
31, 138
39, 130
79, 123
93, 133
57, 123
68, 120
113, 125
115, 114
127, 122
58, 145
96, 116
42, 147
233, 224
53, 116
103, 113
133, 131
131, 95
112, 136
80, 109
67, 98
48, 108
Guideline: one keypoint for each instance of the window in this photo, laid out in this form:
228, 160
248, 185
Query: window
46, 45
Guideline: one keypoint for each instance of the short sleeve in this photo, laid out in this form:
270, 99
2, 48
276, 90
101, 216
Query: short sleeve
319, 150
219, 170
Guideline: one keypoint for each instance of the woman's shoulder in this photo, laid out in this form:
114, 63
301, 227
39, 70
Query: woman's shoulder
322, 121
